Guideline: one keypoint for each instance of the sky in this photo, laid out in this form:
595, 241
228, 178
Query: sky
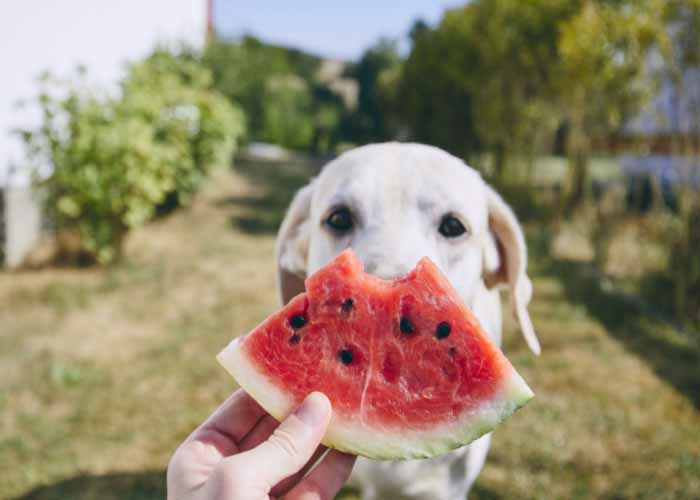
331, 28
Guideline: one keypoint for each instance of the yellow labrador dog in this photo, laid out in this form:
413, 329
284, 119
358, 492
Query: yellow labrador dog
394, 203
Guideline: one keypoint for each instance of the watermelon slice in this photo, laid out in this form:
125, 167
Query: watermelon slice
408, 369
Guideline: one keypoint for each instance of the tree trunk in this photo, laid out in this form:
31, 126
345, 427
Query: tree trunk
577, 180
499, 164
680, 280
578, 149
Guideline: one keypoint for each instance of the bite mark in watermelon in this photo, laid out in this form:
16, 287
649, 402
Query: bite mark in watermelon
405, 364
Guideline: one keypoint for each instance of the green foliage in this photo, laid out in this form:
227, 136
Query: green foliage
483, 79
509, 71
603, 70
287, 117
684, 17
681, 57
603, 74
115, 158
501, 76
433, 106
279, 91
327, 109
241, 72
377, 74
175, 94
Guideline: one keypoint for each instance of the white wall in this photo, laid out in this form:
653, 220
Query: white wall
36, 35
22, 212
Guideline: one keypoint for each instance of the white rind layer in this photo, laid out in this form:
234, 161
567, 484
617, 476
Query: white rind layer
383, 443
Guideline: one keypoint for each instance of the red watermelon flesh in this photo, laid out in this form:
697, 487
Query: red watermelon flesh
405, 364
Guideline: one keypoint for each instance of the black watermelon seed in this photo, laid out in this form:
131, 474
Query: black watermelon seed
347, 305
405, 325
297, 321
345, 356
452, 351
295, 338
443, 330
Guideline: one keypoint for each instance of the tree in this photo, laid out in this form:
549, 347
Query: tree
501, 76
376, 73
483, 78
431, 103
603, 75
279, 91
683, 229
287, 117
682, 58
242, 70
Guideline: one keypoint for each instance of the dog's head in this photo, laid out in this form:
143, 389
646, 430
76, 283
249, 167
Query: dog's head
395, 203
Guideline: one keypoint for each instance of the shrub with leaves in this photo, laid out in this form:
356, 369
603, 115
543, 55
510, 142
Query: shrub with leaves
175, 93
113, 159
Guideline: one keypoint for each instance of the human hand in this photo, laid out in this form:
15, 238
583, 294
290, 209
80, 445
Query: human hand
243, 453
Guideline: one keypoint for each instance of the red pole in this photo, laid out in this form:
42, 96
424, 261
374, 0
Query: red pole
211, 33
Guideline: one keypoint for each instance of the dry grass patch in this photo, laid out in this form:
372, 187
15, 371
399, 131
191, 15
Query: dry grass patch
105, 371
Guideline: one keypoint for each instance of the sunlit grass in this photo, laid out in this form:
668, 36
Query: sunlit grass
104, 372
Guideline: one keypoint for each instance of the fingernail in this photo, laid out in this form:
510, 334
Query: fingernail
314, 410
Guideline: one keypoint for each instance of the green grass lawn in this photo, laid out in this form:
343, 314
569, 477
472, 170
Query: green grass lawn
104, 372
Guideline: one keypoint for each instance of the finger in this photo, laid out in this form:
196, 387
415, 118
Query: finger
289, 447
215, 439
231, 421
265, 427
326, 479
259, 433
287, 484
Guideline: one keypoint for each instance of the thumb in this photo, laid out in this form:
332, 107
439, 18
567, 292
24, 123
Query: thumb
290, 447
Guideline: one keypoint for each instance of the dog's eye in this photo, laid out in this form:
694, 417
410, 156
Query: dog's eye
451, 227
340, 220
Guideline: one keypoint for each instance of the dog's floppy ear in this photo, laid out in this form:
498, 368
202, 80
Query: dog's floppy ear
511, 270
292, 248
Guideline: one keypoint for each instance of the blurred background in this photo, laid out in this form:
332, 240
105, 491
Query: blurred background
148, 151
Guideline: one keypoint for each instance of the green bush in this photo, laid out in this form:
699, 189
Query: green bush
287, 116
280, 90
114, 159
175, 93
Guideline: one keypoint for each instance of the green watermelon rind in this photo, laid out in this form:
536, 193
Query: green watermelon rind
360, 438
